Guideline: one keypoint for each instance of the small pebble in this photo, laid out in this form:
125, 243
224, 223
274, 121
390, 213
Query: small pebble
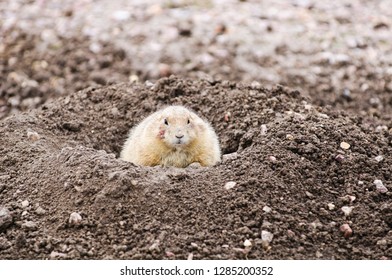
25, 203
255, 85
5, 218
122, 223
380, 186
382, 242
55, 255
134, 182
121, 15
95, 47
331, 206
272, 158
133, 78
289, 137
267, 209
347, 210
230, 185
266, 238
194, 245
190, 257
339, 158
164, 70
75, 219
263, 129
30, 225
309, 194
40, 211
170, 254
379, 158
247, 243
33, 136
347, 94
323, 116
194, 165
149, 84
227, 116
345, 145
115, 112
347, 231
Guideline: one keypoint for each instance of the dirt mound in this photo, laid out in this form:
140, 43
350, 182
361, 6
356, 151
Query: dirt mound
299, 191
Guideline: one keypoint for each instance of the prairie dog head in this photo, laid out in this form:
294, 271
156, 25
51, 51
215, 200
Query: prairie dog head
178, 127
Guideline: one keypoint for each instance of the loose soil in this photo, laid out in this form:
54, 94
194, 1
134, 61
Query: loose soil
285, 158
286, 84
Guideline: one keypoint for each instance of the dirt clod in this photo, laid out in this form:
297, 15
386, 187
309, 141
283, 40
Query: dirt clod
5, 218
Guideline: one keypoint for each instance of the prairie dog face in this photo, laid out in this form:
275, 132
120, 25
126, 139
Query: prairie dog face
178, 127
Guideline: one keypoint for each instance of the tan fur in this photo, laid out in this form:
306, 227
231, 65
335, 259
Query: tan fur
156, 142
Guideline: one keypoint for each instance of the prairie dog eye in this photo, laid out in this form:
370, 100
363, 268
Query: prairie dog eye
166, 122
189, 121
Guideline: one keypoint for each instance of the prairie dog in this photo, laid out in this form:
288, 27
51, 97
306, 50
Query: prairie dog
173, 136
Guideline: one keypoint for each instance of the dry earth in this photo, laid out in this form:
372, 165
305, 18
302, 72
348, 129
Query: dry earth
300, 191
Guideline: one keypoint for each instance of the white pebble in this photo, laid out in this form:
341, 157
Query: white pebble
267, 209
272, 158
266, 236
323, 116
75, 218
331, 206
33, 136
149, 84
25, 203
255, 85
247, 243
55, 255
133, 78
5, 218
345, 145
347, 210
263, 129
379, 158
121, 15
230, 185
290, 137
40, 211
95, 47
380, 186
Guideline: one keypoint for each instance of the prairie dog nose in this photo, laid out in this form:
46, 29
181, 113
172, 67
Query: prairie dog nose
179, 136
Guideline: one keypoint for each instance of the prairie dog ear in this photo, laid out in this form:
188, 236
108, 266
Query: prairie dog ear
201, 126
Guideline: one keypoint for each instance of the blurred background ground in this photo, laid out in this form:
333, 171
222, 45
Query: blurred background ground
338, 52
